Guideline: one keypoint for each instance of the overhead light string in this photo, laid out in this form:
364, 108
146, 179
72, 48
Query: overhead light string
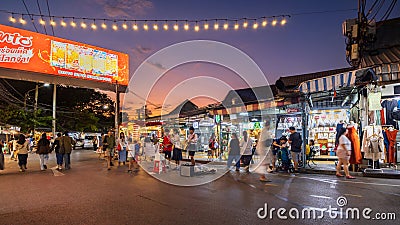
217, 24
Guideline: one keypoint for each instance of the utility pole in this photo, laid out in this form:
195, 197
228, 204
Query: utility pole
35, 108
54, 110
116, 109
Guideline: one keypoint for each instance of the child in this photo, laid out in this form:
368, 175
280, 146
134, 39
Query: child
133, 153
284, 149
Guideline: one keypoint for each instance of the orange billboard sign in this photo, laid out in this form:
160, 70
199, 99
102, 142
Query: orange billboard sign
35, 52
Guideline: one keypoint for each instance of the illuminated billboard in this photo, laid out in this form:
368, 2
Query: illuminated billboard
30, 51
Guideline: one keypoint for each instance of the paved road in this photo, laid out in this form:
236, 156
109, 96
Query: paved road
89, 194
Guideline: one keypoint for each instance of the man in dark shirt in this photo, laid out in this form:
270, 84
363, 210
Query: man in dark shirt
295, 142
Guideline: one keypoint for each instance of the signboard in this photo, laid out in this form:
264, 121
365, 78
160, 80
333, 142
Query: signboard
34, 52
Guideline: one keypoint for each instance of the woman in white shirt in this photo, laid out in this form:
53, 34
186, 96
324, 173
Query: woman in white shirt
122, 145
343, 153
246, 145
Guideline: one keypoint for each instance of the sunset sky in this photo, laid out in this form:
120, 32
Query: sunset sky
311, 40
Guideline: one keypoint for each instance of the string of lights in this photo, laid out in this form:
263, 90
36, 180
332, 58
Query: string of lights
147, 25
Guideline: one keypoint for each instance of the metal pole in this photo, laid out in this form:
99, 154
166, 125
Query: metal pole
116, 110
35, 108
54, 110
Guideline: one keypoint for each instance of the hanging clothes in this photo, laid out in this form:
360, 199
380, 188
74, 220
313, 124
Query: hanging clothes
355, 157
391, 134
386, 143
369, 132
354, 115
383, 117
390, 105
374, 101
374, 150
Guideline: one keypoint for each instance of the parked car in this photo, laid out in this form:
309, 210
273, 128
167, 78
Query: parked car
88, 140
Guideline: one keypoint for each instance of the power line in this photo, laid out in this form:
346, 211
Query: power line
48, 9
40, 11
30, 16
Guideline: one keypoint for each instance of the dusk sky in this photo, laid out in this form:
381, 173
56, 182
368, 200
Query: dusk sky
309, 42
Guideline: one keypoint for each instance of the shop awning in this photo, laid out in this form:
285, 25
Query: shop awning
328, 83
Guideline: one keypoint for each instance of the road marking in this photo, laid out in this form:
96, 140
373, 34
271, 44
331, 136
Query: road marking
359, 196
56, 173
344, 181
252, 186
320, 196
273, 185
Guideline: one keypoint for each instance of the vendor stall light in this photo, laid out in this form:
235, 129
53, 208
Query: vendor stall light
83, 25
196, 28
264, 22
226, 26
135, 27
42, 22
186, 26
53, 23
206, 26
145, 26
236, 26
115, 27
176, 27
124, 26
93, 26
12, 19
73, 24
216, 25
165, 26
255, 25
22, 21
155, 27
274, 22
245, 24
104, 25
63, 23
283, 21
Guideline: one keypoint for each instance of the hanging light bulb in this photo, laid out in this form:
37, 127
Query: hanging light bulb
176, 26
245, 24
186, 26
255, 25
12, 19
135, 26
283, 21
206, 26
124, 26
63, 23
274, 22
114, 26
42, 22
165, 26
226, 25
53, 23
83, 25
145, 26
196, 27
73, 24
264, 22
216, 25
104, 25
155, 27
94, 26
22, 20
236, 26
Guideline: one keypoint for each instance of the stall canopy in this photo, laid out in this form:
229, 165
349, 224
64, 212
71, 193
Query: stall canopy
329, 83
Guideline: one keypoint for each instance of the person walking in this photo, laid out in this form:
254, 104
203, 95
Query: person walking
343, 153
246, 146
133, 155
95, 143
191, 144
59, 156
122, 145
43, 149
109, 144
22, 148
263, 149
167, 145
212, 144
295, 142
234, 152
66, 143
177, 151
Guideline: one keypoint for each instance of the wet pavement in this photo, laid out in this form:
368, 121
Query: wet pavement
90, 194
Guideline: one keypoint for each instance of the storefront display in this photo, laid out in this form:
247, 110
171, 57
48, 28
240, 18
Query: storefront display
322, 128
286, 121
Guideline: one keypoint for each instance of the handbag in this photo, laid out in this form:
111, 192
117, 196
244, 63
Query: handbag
119, 147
